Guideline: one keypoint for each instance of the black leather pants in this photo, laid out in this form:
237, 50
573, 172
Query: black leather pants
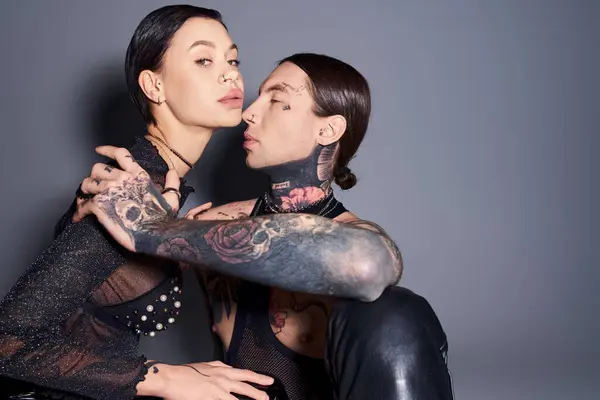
390, 349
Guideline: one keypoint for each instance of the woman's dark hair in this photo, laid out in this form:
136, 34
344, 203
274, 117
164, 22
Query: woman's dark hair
338, 89
149, 43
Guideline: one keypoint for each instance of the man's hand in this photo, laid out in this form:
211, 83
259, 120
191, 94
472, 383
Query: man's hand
126, 200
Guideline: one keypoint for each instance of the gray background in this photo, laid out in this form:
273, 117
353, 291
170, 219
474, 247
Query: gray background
480, 159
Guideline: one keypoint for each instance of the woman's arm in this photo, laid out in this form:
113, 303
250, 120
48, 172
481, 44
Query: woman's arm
46, 335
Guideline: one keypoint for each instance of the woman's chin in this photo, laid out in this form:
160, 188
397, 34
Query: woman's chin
229, 121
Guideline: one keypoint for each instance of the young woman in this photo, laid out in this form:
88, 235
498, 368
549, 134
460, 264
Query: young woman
72, 322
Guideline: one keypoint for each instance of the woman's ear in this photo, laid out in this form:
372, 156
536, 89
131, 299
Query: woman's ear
151, 86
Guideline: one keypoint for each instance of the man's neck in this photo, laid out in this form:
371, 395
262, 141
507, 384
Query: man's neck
298, 184
188, 142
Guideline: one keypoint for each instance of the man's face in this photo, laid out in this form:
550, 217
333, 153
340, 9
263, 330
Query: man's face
281, 124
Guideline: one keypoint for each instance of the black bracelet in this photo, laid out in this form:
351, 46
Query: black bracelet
170, 189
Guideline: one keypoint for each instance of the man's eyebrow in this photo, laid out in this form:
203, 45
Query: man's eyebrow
210, 44
276, 87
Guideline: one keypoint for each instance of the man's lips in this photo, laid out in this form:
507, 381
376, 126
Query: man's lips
249, 139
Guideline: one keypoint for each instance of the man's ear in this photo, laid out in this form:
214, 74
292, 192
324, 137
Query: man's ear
152, 87
332, 130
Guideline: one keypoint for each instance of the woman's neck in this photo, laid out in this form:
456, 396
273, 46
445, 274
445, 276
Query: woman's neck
176, 144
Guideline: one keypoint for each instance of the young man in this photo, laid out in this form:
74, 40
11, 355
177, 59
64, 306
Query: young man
301, 288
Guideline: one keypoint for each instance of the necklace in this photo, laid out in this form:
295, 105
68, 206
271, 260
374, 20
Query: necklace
186, 162
313, 208
169, 160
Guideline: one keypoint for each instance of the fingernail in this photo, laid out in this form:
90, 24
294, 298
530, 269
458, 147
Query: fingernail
269, 380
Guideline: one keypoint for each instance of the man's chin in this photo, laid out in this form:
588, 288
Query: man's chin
249, 162
253, 163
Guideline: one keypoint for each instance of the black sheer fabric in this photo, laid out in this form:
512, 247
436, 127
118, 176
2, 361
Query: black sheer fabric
73, 319
254, 346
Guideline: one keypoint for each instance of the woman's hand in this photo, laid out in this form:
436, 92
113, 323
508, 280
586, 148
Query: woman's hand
208, 381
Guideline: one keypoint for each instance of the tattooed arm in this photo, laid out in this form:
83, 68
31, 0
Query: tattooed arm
295, 252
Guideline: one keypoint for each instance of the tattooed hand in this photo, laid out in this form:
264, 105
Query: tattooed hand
126, 201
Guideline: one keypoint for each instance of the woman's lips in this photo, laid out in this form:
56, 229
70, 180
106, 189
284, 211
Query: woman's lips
233, 99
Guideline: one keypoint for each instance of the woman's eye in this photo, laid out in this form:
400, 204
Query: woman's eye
235, 63
204, 62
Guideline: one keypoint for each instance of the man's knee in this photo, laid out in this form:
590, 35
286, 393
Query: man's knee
395, 341
398, 316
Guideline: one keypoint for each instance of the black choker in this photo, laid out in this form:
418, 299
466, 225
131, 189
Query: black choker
321, 207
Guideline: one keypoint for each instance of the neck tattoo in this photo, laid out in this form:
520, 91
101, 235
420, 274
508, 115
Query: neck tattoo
297, 185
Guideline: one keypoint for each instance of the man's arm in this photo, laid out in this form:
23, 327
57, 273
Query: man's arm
295, 252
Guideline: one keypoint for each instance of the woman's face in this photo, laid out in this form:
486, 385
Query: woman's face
199, 80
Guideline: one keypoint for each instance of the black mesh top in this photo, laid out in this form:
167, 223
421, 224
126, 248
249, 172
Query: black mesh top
254, 346
72, 321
